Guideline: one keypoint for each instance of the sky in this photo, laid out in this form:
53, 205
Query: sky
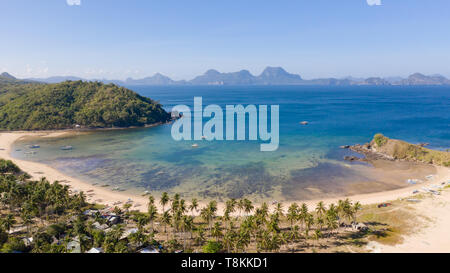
116, 39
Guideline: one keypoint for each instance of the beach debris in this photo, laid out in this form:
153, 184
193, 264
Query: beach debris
429, 177
384, 205
304, 123
359, 226
413, 181
34, 146
431, 191
66, 148
413, 200
415, 192
116, 189
146, 193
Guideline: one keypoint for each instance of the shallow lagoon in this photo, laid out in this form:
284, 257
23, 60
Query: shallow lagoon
308, 163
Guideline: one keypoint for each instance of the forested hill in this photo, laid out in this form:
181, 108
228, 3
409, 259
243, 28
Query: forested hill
32, 106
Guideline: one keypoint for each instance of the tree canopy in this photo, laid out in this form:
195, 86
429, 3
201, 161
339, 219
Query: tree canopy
60, 106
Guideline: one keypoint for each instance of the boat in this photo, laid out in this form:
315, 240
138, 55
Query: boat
66, 148
116, 189
194, 145
34, 146
304, 123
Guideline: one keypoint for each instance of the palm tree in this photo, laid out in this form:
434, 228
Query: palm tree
27, 220
320, 209
303, 214
182, 206
292, 213
264, 209
228, 240
166, 220
200, 238
316, 236
348, 209
356, 207
164, 200
151, 200
272, 225
209, 212
217, 231
152, 214
240, 206
194, 205
187, 225
248, 206
309, 221
175, 203
243, 239
279, 209
230, 205
8, 222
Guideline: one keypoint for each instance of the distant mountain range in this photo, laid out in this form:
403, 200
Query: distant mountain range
270, 76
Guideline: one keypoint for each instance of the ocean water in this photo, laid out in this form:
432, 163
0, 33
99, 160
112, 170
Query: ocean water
308, 163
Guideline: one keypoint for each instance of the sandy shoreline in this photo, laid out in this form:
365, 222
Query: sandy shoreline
108, 197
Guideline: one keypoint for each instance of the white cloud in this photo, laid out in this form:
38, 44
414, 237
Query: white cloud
370, 2
73, 2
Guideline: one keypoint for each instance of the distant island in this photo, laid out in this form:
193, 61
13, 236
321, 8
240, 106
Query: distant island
26, 105
270, 76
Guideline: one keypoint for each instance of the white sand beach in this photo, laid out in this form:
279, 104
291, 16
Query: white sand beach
434, 238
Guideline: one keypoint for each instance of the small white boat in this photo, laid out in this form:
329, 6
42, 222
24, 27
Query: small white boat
304, 123
66, 148
194, 145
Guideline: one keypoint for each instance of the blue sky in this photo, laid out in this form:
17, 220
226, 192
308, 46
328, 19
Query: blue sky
184, 38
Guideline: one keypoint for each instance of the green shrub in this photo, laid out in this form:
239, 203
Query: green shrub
13, 245
63, 105
7, 166
380, 140
212, 247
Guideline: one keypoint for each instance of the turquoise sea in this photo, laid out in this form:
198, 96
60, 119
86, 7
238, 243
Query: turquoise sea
308, 163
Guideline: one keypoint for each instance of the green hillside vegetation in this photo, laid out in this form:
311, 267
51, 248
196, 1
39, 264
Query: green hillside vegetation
33, 106
399, 149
